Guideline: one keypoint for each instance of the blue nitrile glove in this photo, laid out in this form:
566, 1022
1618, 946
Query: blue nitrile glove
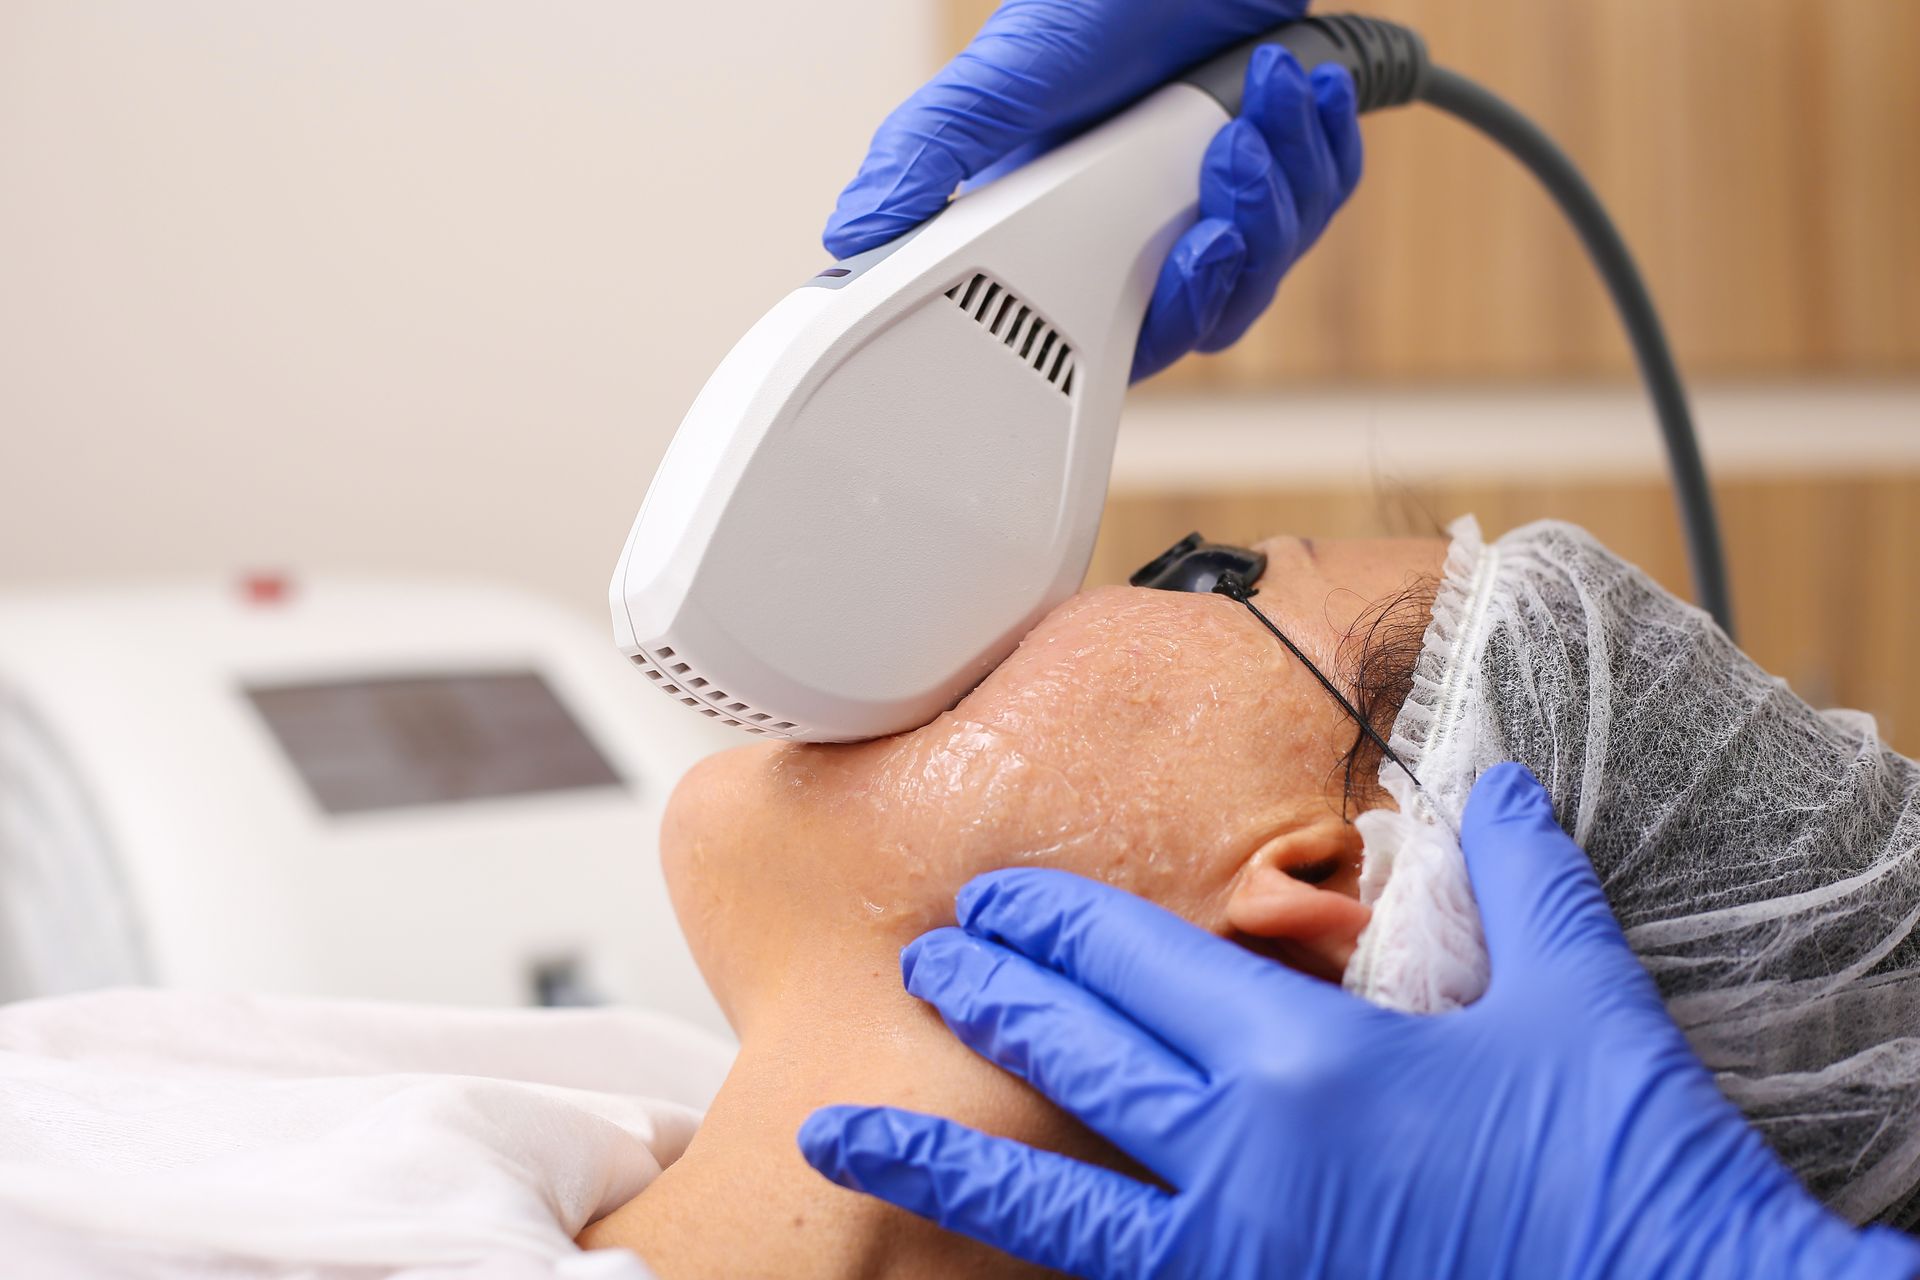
1560, 1126
1041, 68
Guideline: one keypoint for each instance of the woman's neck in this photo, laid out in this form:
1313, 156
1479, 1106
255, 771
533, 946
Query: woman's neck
742, 1202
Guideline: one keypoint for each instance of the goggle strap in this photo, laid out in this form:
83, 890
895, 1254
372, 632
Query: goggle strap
1231, 586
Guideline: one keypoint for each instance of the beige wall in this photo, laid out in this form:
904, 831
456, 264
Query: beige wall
397, 285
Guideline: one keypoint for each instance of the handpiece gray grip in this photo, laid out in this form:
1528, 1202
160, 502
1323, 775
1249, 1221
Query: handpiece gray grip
1388, 62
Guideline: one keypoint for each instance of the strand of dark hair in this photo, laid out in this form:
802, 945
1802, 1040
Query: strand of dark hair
1378, 657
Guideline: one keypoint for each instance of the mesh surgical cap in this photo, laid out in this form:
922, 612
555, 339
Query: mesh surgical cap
1763, 857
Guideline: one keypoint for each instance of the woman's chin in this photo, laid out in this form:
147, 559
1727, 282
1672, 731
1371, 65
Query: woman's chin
707, 836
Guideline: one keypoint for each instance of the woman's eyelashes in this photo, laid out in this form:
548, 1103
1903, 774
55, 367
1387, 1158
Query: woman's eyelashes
1316, 872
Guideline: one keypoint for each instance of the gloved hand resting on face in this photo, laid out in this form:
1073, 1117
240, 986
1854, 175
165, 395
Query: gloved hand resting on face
1041, 68
1560, 1126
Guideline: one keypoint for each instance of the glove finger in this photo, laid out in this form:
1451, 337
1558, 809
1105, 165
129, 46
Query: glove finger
1150, 964
1194, 284
1035, 1205
1280, 102
1541, 904
1340, 121
1035, 71
1063, 1040
1238, 182
979, 107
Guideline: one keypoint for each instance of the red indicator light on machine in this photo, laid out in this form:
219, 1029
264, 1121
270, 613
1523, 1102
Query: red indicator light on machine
265, 590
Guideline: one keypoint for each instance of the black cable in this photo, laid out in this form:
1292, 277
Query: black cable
1390, 67
1461, 98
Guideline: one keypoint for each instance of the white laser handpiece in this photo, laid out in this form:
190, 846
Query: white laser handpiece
902, 466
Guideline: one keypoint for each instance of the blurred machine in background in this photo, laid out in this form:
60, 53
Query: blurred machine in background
398, 790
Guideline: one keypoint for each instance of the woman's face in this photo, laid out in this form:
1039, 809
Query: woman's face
1160, 741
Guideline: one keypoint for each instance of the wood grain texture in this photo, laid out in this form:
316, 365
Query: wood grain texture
1761, 156
1821, 570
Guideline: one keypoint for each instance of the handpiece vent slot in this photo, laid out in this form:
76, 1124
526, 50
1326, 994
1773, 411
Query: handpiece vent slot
1022, 330
696, 692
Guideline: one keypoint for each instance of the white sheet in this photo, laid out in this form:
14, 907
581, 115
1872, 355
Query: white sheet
165, 1134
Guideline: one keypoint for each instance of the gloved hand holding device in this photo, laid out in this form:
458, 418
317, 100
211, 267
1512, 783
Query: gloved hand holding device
1041, 68
1561, 1126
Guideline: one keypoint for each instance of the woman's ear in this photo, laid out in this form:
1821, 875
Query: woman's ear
1297, 898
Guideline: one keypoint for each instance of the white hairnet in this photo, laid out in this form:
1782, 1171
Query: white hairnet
1760, 854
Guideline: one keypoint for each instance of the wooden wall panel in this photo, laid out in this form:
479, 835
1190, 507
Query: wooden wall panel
1822, 569
1762, 156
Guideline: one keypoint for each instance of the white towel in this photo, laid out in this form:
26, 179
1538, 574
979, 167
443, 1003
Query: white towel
171, 1134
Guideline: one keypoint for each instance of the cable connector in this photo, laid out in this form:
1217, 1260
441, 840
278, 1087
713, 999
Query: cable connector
1388, 62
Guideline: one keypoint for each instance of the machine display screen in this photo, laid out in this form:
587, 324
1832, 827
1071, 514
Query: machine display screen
436, 739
